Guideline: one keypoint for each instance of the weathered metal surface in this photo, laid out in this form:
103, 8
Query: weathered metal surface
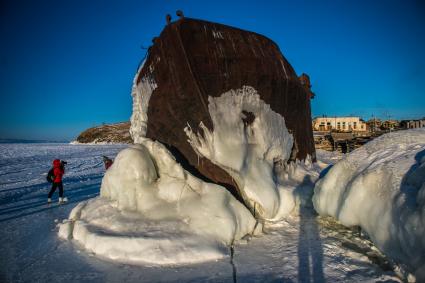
194, 59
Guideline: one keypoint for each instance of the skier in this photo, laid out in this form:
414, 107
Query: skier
107, 161
55, 176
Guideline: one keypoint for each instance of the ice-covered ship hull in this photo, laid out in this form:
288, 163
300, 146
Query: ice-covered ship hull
194, 59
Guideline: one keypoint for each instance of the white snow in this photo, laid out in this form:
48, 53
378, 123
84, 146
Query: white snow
381, 187
301, 249
254, 154
152, 211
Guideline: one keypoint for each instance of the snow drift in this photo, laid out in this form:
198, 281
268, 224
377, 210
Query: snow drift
381, 187
153, 211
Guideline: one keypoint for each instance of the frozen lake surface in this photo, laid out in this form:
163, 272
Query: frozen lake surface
300, 249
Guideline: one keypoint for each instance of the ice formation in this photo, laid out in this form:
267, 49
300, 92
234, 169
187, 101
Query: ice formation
153, 211
250, 141
381, 187
141, 93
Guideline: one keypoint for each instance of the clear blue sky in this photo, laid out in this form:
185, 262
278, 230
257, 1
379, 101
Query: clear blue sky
67, 65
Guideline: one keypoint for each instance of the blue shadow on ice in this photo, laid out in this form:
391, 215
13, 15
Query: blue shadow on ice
15, 194
404, 203
325, 171
28, 208
310, 250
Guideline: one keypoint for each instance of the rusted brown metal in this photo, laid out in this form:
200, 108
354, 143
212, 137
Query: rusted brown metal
305, 82
193, 59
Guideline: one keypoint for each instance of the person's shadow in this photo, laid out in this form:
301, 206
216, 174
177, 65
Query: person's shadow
310, 250
406, 203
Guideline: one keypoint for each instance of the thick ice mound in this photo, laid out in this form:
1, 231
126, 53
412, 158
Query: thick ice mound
250, 142
381, 187
153, 211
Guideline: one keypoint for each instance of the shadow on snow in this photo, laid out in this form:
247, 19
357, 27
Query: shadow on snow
75, 195
310, 250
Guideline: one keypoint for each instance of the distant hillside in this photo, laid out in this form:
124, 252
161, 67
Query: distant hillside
111, 133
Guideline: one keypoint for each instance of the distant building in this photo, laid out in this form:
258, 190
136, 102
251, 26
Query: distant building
374, 124
342, 124
390, 125
411, 124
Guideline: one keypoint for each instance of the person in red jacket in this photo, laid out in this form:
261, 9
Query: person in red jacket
58, 172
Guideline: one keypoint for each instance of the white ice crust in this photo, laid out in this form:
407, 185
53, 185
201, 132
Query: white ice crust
381, 187
248, 152
152, 211
141, 93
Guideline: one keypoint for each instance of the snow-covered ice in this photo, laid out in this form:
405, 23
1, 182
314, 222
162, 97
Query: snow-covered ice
301, 248
248, 141
381, 187
171, 216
